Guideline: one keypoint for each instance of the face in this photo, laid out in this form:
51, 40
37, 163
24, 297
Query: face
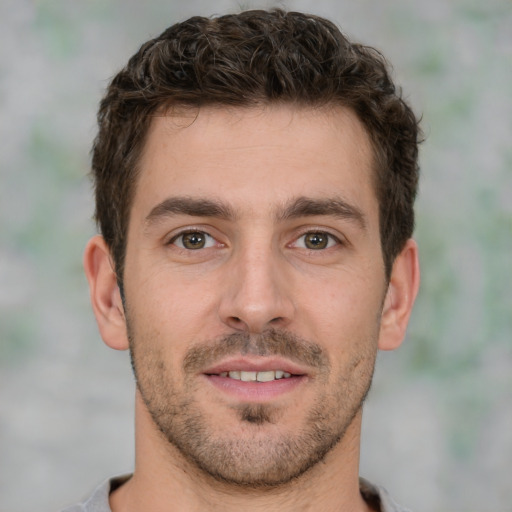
254, 284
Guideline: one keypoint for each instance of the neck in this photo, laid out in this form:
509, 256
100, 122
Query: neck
163, 477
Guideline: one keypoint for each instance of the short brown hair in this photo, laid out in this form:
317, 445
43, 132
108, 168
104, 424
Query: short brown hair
255, 57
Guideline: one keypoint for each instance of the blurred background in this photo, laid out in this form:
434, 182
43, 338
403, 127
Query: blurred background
438, 424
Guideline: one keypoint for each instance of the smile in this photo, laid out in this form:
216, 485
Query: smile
263, 376
256, 379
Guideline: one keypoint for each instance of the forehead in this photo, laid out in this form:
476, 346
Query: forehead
256, 158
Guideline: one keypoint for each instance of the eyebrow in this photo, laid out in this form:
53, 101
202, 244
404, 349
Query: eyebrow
334, 206
190, 206
296, 208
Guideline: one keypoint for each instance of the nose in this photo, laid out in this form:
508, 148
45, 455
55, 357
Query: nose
256, 292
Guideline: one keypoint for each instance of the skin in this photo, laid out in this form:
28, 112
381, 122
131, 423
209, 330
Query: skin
280, 178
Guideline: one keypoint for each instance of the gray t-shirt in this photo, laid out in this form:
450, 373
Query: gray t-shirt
374, 495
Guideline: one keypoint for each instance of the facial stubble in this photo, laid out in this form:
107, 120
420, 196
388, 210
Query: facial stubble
263, 454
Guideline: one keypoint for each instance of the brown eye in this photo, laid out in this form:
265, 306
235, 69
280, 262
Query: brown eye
194, 240
316, 240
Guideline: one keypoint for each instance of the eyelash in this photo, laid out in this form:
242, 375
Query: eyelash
192, 231
331, 242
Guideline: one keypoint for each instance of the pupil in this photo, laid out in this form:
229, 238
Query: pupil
316, 241
194, 240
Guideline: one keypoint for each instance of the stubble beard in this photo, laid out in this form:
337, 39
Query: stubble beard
264, 456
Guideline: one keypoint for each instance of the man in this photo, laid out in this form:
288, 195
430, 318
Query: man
255, 177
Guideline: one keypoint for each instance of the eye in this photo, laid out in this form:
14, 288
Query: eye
193, 240
316, 240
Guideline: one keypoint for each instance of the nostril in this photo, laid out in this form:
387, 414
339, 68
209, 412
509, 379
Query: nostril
237, 322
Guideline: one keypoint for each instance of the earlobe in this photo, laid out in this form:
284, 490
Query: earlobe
104, 292
402, 290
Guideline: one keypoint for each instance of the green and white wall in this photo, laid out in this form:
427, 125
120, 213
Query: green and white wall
438, 425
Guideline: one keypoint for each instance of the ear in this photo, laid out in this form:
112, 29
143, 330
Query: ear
105, 295
402, 290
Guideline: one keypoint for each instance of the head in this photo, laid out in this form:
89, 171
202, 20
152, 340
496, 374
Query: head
249, 59
255, 177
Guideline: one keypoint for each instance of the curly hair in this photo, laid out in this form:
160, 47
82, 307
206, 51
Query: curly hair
250, 58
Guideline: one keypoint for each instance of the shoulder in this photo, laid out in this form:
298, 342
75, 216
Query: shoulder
98, 501
378, 498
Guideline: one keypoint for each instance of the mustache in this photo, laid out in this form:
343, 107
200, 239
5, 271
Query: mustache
272, 342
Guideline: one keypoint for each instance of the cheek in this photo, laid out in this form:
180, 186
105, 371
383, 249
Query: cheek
344, 307
165, 319
171, 302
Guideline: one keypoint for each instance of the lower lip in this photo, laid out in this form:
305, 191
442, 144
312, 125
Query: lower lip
255, 391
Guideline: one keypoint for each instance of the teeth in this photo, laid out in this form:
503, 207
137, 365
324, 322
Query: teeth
248, 376
265, 376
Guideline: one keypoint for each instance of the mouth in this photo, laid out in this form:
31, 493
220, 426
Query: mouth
255, 381
261, 376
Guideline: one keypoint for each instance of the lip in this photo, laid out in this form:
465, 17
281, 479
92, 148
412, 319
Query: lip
256, 364
255, 392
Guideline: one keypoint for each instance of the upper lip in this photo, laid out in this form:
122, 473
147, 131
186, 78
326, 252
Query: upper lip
255, 364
